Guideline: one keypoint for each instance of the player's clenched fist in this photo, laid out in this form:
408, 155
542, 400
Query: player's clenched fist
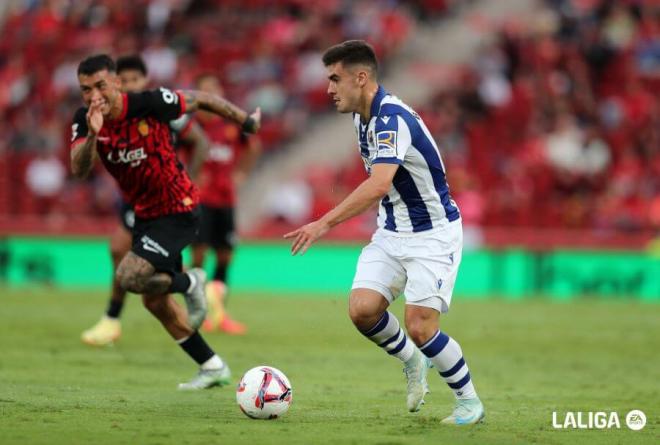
253, 122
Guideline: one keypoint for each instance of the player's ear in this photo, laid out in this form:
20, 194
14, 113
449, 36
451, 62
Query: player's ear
362, 77
117, 81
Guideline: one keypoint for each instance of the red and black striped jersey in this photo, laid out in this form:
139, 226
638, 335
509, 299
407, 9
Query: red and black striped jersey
136, 148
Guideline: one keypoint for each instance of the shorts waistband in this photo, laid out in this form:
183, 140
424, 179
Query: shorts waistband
445, 226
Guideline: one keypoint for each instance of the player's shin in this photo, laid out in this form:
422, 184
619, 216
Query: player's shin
213, 370
388, 335
447, 357
197, 348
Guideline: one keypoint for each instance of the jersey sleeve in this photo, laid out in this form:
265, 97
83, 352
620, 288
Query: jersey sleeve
163, 104
181, 125
392, 139
79, 127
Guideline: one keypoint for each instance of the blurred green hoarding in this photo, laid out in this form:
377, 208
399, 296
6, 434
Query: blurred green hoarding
328, 269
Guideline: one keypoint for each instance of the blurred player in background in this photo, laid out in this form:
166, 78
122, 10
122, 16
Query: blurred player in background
129, 133
231, 158
416, 249
132, 72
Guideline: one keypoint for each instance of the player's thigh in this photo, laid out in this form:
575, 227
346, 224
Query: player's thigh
133, 270
161, 240
431, 265
378, 269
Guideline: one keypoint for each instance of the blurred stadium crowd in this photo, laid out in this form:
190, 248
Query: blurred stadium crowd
266, 53
555, 124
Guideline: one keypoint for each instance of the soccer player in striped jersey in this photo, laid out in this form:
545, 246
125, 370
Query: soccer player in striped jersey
416, 249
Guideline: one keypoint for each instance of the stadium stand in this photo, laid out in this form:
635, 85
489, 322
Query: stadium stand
555, 125
266, 53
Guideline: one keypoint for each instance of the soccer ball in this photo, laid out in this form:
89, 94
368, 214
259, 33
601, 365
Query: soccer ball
264, 392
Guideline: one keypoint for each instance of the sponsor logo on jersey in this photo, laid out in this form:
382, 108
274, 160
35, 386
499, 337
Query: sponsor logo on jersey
125, 156
143, 128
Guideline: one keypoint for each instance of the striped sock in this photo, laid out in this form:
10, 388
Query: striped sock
447, 357
388, 335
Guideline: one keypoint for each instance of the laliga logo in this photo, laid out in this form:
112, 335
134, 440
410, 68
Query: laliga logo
635, 420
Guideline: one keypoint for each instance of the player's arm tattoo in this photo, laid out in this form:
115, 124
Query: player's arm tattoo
137, 275
200, 100
82, 157
200, 143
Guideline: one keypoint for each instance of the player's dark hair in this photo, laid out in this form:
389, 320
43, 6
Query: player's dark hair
351, 52
96, 63
132, 62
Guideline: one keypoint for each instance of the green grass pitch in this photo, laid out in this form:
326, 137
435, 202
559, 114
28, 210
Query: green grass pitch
527, 358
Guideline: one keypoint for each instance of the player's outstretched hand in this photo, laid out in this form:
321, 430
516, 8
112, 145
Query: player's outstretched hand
306, 235
95, 117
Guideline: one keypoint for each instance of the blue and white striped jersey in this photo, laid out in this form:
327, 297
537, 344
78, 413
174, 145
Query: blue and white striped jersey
419, 199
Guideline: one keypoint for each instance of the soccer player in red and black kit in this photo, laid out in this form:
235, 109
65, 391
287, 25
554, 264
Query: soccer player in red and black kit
132, 72
130, 135
231, 157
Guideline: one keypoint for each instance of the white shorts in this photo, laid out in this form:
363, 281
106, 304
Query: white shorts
421, 266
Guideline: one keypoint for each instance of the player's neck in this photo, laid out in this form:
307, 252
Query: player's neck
117, 107
364, 110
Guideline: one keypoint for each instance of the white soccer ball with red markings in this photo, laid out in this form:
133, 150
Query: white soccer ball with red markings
264, 392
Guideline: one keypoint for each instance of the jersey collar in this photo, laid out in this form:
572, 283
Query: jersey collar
378, 98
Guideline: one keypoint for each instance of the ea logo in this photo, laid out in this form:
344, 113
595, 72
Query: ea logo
636, 420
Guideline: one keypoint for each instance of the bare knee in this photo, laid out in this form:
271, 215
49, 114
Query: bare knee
366, 307
421, 323
360, 312
133, 273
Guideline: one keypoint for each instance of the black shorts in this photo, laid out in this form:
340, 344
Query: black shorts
161, 240
127, 215
217, 227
